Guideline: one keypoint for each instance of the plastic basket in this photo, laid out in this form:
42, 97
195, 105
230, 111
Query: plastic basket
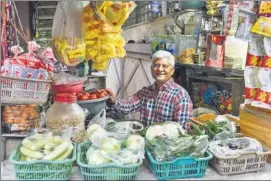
42, 169
24, 91
184, 167
104, 172
249, 162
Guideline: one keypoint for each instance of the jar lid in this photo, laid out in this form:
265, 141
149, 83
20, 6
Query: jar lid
65, 98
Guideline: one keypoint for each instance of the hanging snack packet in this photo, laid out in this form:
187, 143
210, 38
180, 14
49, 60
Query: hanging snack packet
215, 51
115, 12
262, 26
265, 8
251, 83
263, 95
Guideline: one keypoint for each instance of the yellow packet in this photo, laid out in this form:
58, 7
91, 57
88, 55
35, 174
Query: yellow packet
120, 51
101, 66
262, 26
91, 53
115, 13
107, 51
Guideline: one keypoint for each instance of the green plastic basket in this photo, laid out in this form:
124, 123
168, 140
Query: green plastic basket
107, 171
42, 169
184, 167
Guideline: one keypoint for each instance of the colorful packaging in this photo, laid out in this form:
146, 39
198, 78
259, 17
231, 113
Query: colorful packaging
251, 82
263, 95
253, 60
103, 40
262, 26
265, 8
33, 65
215, 51
255, 45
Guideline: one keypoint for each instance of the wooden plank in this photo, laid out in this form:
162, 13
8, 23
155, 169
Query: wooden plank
258, 110
257, 119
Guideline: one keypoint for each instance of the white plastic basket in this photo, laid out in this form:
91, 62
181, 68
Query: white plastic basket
24, 91
249, 162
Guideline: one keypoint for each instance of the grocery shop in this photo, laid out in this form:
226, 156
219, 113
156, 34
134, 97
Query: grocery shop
135, 90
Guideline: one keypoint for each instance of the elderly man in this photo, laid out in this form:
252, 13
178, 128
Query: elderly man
163, 101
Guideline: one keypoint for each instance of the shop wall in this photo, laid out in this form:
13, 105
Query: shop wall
142, 30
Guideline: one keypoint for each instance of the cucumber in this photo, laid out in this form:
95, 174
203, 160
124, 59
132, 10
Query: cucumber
57, 140
23, 157
58, 151
30, 153
66, 154
30, 159
49, 146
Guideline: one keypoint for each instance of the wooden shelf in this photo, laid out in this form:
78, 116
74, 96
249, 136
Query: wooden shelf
234, 72
10, 135
216, 79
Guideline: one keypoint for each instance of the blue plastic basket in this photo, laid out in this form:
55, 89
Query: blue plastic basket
107, 171
185, 167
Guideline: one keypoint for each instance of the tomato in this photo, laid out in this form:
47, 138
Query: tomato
83, 97
104, 91
101, 95
92, 96
86, 94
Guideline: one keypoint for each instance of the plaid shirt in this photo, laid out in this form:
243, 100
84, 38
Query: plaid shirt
171, 103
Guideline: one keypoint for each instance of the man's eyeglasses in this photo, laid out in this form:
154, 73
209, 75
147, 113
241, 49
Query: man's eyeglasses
156, 66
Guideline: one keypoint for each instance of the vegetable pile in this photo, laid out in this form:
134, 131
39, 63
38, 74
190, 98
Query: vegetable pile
170, 141
219, 128
45, 146
106, 148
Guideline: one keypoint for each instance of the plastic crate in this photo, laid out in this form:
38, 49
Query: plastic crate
24, 91
184, 167
107, 171
42, 169
249, 162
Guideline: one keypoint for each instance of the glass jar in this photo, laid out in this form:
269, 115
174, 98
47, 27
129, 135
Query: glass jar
66, 115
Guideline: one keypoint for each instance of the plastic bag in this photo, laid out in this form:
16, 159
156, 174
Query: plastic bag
119, 130
33, 64
68, 42
165, 147
169, 143
99, 119
128, 151
122, 129
75, 134
65, 78
247, 18
42, 144
235, 147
